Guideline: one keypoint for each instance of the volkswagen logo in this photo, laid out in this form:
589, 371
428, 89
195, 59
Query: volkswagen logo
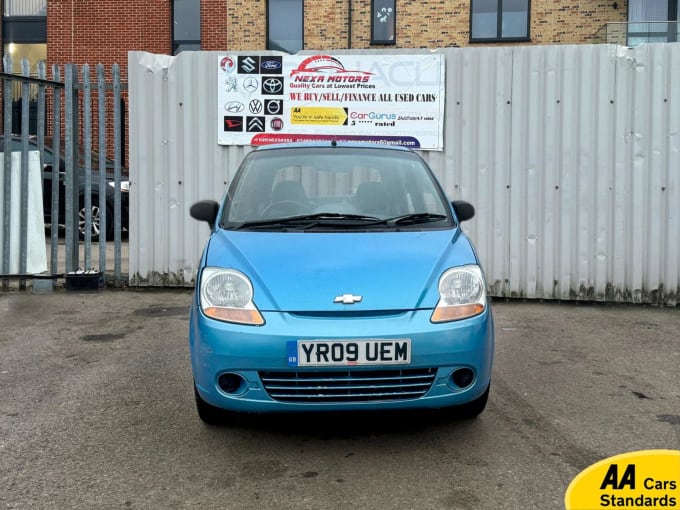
255, 106
234, 107
250, 84
272, 86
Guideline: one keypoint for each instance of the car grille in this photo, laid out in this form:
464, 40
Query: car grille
347, 385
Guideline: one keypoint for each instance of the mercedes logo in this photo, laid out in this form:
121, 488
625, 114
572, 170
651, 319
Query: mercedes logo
250, 84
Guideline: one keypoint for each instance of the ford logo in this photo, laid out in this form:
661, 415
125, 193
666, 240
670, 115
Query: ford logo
271, 65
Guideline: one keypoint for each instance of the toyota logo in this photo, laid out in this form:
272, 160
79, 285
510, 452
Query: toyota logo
272, 86
250, 84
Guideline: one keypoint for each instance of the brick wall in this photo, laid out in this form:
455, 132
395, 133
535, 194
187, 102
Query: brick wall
424, 24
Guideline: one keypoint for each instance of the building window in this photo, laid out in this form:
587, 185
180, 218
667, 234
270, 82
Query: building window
285, 25
499, 20
651, 21
186, 25
383, 22
25, 8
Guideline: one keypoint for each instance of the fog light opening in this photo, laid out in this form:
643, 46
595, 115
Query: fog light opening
463, 377
230, 383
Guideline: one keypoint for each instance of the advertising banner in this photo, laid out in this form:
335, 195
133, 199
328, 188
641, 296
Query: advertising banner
390, 99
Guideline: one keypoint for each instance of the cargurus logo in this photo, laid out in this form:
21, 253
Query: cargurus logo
373, 116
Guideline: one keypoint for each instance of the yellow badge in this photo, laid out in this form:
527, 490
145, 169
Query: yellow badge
641, 480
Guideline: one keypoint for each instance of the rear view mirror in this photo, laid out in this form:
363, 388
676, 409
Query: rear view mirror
464, 210
205, 210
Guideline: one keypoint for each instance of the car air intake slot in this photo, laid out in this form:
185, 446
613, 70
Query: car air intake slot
348, 385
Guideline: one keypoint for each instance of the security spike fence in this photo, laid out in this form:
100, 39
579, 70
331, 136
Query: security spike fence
62, 129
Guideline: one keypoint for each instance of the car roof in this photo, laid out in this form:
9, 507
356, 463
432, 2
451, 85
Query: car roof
331, 143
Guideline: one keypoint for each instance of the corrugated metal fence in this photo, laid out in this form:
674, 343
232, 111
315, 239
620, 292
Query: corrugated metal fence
571, 155
53, 175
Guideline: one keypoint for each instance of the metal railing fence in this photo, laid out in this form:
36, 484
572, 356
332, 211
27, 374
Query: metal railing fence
83, 193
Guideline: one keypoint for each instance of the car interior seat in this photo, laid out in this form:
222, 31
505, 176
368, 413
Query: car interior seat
372, 198
291, 191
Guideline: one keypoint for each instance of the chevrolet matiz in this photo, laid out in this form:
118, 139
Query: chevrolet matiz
337, 278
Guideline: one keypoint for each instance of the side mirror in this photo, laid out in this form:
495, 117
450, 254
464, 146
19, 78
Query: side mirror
464, 210
205, 210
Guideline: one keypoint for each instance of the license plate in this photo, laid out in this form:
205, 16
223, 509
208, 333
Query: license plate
321, 353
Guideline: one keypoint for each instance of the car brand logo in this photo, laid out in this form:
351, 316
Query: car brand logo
233, 123
271, 66
255, 106
230, 84
248, 65
227, 64
255, 124
276, 124
250, 84
348, 299
234, 107
272, 86
273, 106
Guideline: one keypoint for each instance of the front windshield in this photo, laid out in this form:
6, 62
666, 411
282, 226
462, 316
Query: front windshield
379, 184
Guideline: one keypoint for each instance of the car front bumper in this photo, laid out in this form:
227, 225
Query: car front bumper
249, 352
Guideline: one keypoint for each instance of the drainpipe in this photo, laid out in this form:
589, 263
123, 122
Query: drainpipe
349, 25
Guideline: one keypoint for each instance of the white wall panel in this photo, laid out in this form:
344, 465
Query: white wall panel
570, 154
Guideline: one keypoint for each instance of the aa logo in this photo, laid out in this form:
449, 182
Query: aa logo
634, 481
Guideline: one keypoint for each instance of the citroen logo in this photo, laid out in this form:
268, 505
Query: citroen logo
348, 299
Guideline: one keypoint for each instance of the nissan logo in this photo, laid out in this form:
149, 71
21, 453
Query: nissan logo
250, 84
272, 86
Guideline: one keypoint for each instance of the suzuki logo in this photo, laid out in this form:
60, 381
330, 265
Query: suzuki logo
248, 65
348, 299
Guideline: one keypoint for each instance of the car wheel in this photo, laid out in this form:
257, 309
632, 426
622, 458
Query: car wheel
95, 227
208, 413
472, 409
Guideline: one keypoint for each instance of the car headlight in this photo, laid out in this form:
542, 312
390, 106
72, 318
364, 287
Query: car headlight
124, 185
462, 294
227, 295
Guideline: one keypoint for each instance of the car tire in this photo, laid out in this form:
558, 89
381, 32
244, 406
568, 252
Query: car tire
96, 227
208, 414
472, 409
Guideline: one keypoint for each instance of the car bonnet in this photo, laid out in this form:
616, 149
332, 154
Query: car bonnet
308, 272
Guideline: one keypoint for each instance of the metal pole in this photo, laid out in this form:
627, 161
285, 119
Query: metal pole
56, 151
117, 212
7, 177
24, 177
70, 178
87, 199
103, 216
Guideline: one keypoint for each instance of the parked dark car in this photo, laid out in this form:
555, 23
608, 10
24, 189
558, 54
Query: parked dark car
48, 160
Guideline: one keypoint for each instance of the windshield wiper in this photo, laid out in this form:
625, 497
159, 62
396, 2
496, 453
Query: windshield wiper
414, 218
312, 220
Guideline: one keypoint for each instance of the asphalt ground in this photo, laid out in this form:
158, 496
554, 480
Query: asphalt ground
97, 411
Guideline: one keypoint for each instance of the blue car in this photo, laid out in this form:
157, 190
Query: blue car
337, 278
